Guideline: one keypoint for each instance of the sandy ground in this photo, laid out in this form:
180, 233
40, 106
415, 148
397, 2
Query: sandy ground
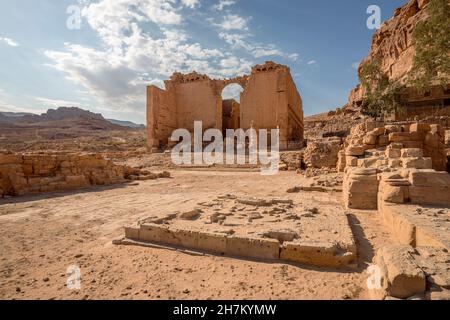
41, 236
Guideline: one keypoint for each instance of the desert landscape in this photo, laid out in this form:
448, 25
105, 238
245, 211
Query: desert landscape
359, 208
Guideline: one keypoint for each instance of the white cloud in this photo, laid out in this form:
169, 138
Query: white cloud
190, 3
9, 42
131, 58
6, 106
312, 62
232, 91
55, 103
261, 52
234, 22
223, 4
13, 108
293, 56
236, 40
257, 50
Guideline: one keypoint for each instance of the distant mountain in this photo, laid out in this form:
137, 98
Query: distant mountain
11, 117
15, 114
126, 123
65, 113
62, 113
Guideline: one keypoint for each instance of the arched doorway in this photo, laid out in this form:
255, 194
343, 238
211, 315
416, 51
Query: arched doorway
231, 108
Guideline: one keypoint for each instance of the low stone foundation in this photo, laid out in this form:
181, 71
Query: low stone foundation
21, 174
257, 229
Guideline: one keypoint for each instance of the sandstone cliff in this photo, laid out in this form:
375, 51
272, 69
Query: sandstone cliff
393, 44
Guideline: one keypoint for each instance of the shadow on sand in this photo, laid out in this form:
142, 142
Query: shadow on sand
60, 194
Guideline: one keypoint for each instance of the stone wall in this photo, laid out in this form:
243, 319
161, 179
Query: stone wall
410, 149
35, 173
270, 100
161, 116
386, 168
375, 145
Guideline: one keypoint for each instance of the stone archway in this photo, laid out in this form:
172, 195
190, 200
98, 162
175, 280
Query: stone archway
231, 107
242, 81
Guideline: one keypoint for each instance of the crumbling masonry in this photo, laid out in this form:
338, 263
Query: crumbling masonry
270, 100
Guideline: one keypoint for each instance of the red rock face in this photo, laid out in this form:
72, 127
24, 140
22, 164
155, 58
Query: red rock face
394, 44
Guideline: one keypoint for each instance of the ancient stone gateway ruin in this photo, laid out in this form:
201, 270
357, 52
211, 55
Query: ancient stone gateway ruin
270, 100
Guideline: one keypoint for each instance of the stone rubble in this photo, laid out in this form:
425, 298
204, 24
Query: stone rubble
22, 174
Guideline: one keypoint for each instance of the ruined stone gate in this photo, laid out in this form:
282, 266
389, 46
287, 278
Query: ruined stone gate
270, 100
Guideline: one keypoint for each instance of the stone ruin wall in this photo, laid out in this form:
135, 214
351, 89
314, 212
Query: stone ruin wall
22, 174
270, 100
374, 148
391, 169
364, 140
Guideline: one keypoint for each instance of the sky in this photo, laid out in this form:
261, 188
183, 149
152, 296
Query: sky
100, 55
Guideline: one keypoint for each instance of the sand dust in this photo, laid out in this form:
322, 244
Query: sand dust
43, 235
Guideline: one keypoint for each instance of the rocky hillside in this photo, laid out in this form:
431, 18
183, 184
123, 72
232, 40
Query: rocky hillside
65, 114
66, 129
62, 121
393, 44
62, 113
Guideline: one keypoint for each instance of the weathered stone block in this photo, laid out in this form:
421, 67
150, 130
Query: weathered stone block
317, 254
432, 195
132, 233
412, 153
393, 194
383, 140
393, 153
212, 242
420, 127
406, 136
429, 178
396, 145
377, 131
432, 140
6, 158
370, 139
417, 163
392, 129
403, 278
367, 162
413, 144
253, 247
395, 163
355, 151
399, 136
77, 181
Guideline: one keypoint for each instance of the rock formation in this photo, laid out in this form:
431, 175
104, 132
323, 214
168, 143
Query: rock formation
393, 45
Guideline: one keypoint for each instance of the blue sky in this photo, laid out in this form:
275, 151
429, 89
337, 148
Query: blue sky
124, 45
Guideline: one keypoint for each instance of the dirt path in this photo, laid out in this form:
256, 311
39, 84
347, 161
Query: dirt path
42, 236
